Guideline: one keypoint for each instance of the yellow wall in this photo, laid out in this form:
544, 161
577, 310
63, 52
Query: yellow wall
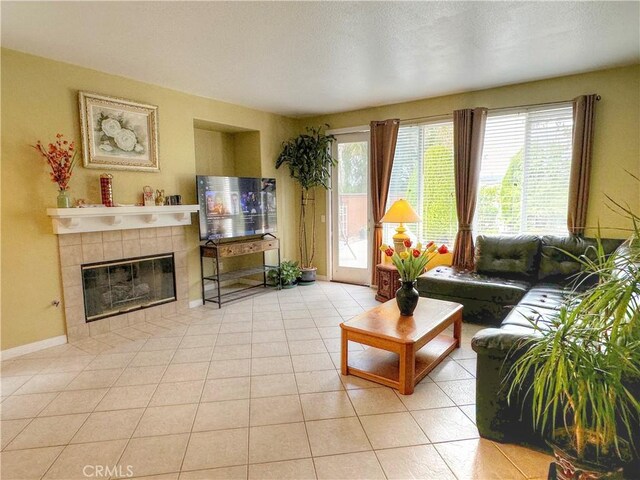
40, 99
616, 146
246, 153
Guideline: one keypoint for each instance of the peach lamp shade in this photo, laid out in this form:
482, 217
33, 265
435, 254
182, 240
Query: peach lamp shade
400, 212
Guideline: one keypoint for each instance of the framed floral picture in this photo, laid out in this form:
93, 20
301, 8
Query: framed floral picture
118, 134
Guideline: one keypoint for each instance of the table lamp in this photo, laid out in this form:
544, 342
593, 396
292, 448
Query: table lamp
400, 212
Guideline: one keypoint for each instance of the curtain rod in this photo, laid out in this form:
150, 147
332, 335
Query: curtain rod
430, 117
446, 115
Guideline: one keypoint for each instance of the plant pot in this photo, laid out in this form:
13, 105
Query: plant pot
407, 298
307, 276
568, 467
273, 277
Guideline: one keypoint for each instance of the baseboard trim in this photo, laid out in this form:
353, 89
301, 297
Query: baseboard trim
32, 347
322, 278
195, 303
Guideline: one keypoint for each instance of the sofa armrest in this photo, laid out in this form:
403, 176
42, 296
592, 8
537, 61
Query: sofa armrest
500, 340
497, 417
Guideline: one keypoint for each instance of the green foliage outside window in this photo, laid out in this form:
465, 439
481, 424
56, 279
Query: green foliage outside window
440, 219
352, 179
511, 194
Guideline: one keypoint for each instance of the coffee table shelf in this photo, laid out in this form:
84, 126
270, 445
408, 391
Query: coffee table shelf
403, 350
383, 367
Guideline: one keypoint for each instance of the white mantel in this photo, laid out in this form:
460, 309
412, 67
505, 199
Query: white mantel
99, 219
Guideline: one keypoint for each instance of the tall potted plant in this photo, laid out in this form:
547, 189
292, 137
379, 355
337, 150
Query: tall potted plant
309, 159
583, 372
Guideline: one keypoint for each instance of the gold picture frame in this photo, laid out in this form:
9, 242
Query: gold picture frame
118, 134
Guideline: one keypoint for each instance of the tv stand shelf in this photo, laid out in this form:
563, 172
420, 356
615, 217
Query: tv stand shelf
217, 251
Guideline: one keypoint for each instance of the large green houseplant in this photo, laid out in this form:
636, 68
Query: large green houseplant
309, 159
582, 372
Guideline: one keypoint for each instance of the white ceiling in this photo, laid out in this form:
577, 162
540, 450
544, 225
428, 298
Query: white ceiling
303, 58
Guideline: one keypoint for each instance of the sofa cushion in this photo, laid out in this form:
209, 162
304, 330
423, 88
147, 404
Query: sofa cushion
536, 308
449, 282
508, 256
557, 264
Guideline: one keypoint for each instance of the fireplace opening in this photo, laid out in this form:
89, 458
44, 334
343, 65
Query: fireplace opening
112, 288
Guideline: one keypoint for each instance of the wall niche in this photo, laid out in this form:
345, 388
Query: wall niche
226, 150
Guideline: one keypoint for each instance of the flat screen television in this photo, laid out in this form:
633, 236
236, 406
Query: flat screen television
236, 206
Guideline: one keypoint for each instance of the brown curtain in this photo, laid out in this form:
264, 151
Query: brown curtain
584, 108
384, 135
468, 137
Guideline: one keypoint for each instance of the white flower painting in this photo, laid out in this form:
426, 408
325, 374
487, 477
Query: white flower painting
118, 134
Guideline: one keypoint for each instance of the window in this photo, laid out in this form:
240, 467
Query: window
423, 175
524, 175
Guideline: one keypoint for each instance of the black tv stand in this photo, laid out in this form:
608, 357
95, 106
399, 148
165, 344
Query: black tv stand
217, 250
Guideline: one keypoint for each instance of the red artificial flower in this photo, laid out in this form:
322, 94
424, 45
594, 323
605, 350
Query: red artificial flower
407, 242
416, 253
443, 249
389, 252
61, 158
430, 243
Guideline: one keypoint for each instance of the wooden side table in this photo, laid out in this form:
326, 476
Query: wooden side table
388, 282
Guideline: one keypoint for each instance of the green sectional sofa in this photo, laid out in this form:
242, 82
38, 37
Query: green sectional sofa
519, 280
507, 268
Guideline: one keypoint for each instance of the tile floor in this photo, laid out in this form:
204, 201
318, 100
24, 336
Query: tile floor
250, 391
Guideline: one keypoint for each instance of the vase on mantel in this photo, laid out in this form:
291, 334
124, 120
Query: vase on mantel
407, 298
64, 201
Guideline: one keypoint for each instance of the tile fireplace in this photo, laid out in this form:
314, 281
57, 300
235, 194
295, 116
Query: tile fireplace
121, 266
103, 310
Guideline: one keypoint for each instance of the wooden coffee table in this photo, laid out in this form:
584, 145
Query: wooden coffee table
405, 349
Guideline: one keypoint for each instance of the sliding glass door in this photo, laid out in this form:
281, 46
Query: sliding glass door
351, 210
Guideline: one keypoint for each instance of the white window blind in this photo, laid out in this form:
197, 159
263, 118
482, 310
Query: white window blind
524, 175
422, 174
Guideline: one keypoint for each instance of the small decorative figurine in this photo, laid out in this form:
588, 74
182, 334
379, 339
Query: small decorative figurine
147, 196
159, 197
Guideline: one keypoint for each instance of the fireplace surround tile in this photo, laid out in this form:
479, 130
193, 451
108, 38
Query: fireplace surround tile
77, 332
133, 234
164, 244
179, 243
180, 259
113, 250
139, 315
73, 296
70, 239
70, 255
112, 236
91, 237
71, 276
119, 321
148, 246
99, 327
148, 233
131, 248
92, 252
74, 315
77, 249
